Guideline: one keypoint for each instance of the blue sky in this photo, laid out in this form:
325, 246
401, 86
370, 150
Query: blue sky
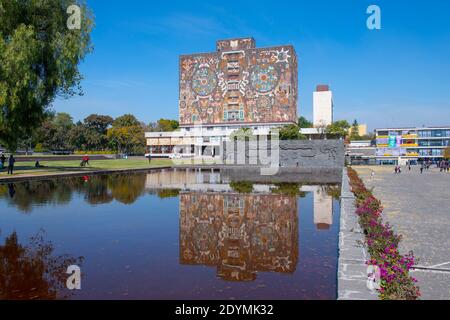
397, 76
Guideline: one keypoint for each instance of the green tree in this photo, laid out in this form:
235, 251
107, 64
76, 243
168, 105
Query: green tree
338, 129
62, 123
95, 132
167, 125
304, 123
90, 135
99, 123
354, 131
127, 120
291, 132
77, 136
241, 133
54, 132
63, 120
39, 58
127, 135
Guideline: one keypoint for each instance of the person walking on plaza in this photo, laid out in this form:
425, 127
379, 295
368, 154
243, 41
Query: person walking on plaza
372, 174
421, 169
11, 162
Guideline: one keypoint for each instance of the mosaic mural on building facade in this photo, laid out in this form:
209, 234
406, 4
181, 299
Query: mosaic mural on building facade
240, 234
239, 84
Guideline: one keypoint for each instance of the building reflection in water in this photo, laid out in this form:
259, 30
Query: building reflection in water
241, 234
323, 206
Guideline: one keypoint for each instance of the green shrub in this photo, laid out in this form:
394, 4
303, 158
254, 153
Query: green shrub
39, 148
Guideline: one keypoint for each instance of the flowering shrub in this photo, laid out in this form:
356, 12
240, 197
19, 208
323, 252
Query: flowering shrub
382, 244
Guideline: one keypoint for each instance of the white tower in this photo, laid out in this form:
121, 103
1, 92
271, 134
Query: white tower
322, 106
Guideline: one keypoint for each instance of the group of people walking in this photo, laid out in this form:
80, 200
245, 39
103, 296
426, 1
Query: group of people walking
11, 161
443, 165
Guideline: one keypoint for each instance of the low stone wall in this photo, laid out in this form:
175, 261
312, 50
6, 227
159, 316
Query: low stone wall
292, 154
352, 268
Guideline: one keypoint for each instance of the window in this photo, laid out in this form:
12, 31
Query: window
425, 134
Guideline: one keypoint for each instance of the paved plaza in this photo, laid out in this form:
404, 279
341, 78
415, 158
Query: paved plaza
418, 207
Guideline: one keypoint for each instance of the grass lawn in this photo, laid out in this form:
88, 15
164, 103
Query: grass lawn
27, 168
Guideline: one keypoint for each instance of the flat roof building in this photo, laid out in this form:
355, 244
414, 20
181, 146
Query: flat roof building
237, 86
322, 106
415, 143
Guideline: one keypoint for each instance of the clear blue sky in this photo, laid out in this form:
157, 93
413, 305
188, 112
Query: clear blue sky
397, 76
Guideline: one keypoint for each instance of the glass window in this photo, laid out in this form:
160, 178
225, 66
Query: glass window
436, 133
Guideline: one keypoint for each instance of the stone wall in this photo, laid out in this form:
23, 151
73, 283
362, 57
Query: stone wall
312, 153
293, 154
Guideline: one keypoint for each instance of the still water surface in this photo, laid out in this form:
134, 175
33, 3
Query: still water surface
168, 235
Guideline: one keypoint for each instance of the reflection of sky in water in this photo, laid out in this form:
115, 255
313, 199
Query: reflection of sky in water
131, 238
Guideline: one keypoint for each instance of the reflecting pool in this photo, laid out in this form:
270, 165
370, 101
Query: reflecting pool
169, 234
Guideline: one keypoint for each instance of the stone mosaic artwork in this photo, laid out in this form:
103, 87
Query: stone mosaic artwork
239, 84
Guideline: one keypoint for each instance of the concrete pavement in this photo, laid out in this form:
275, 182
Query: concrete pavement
418, 207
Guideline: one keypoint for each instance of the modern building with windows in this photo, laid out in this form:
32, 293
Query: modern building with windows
237, 86
360, 152
398, 145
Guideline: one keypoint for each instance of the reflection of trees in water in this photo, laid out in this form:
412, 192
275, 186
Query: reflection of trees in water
168, 193
332, 190
96, 190
241, 186
290, 189
125, 188
27, 194
31, 271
